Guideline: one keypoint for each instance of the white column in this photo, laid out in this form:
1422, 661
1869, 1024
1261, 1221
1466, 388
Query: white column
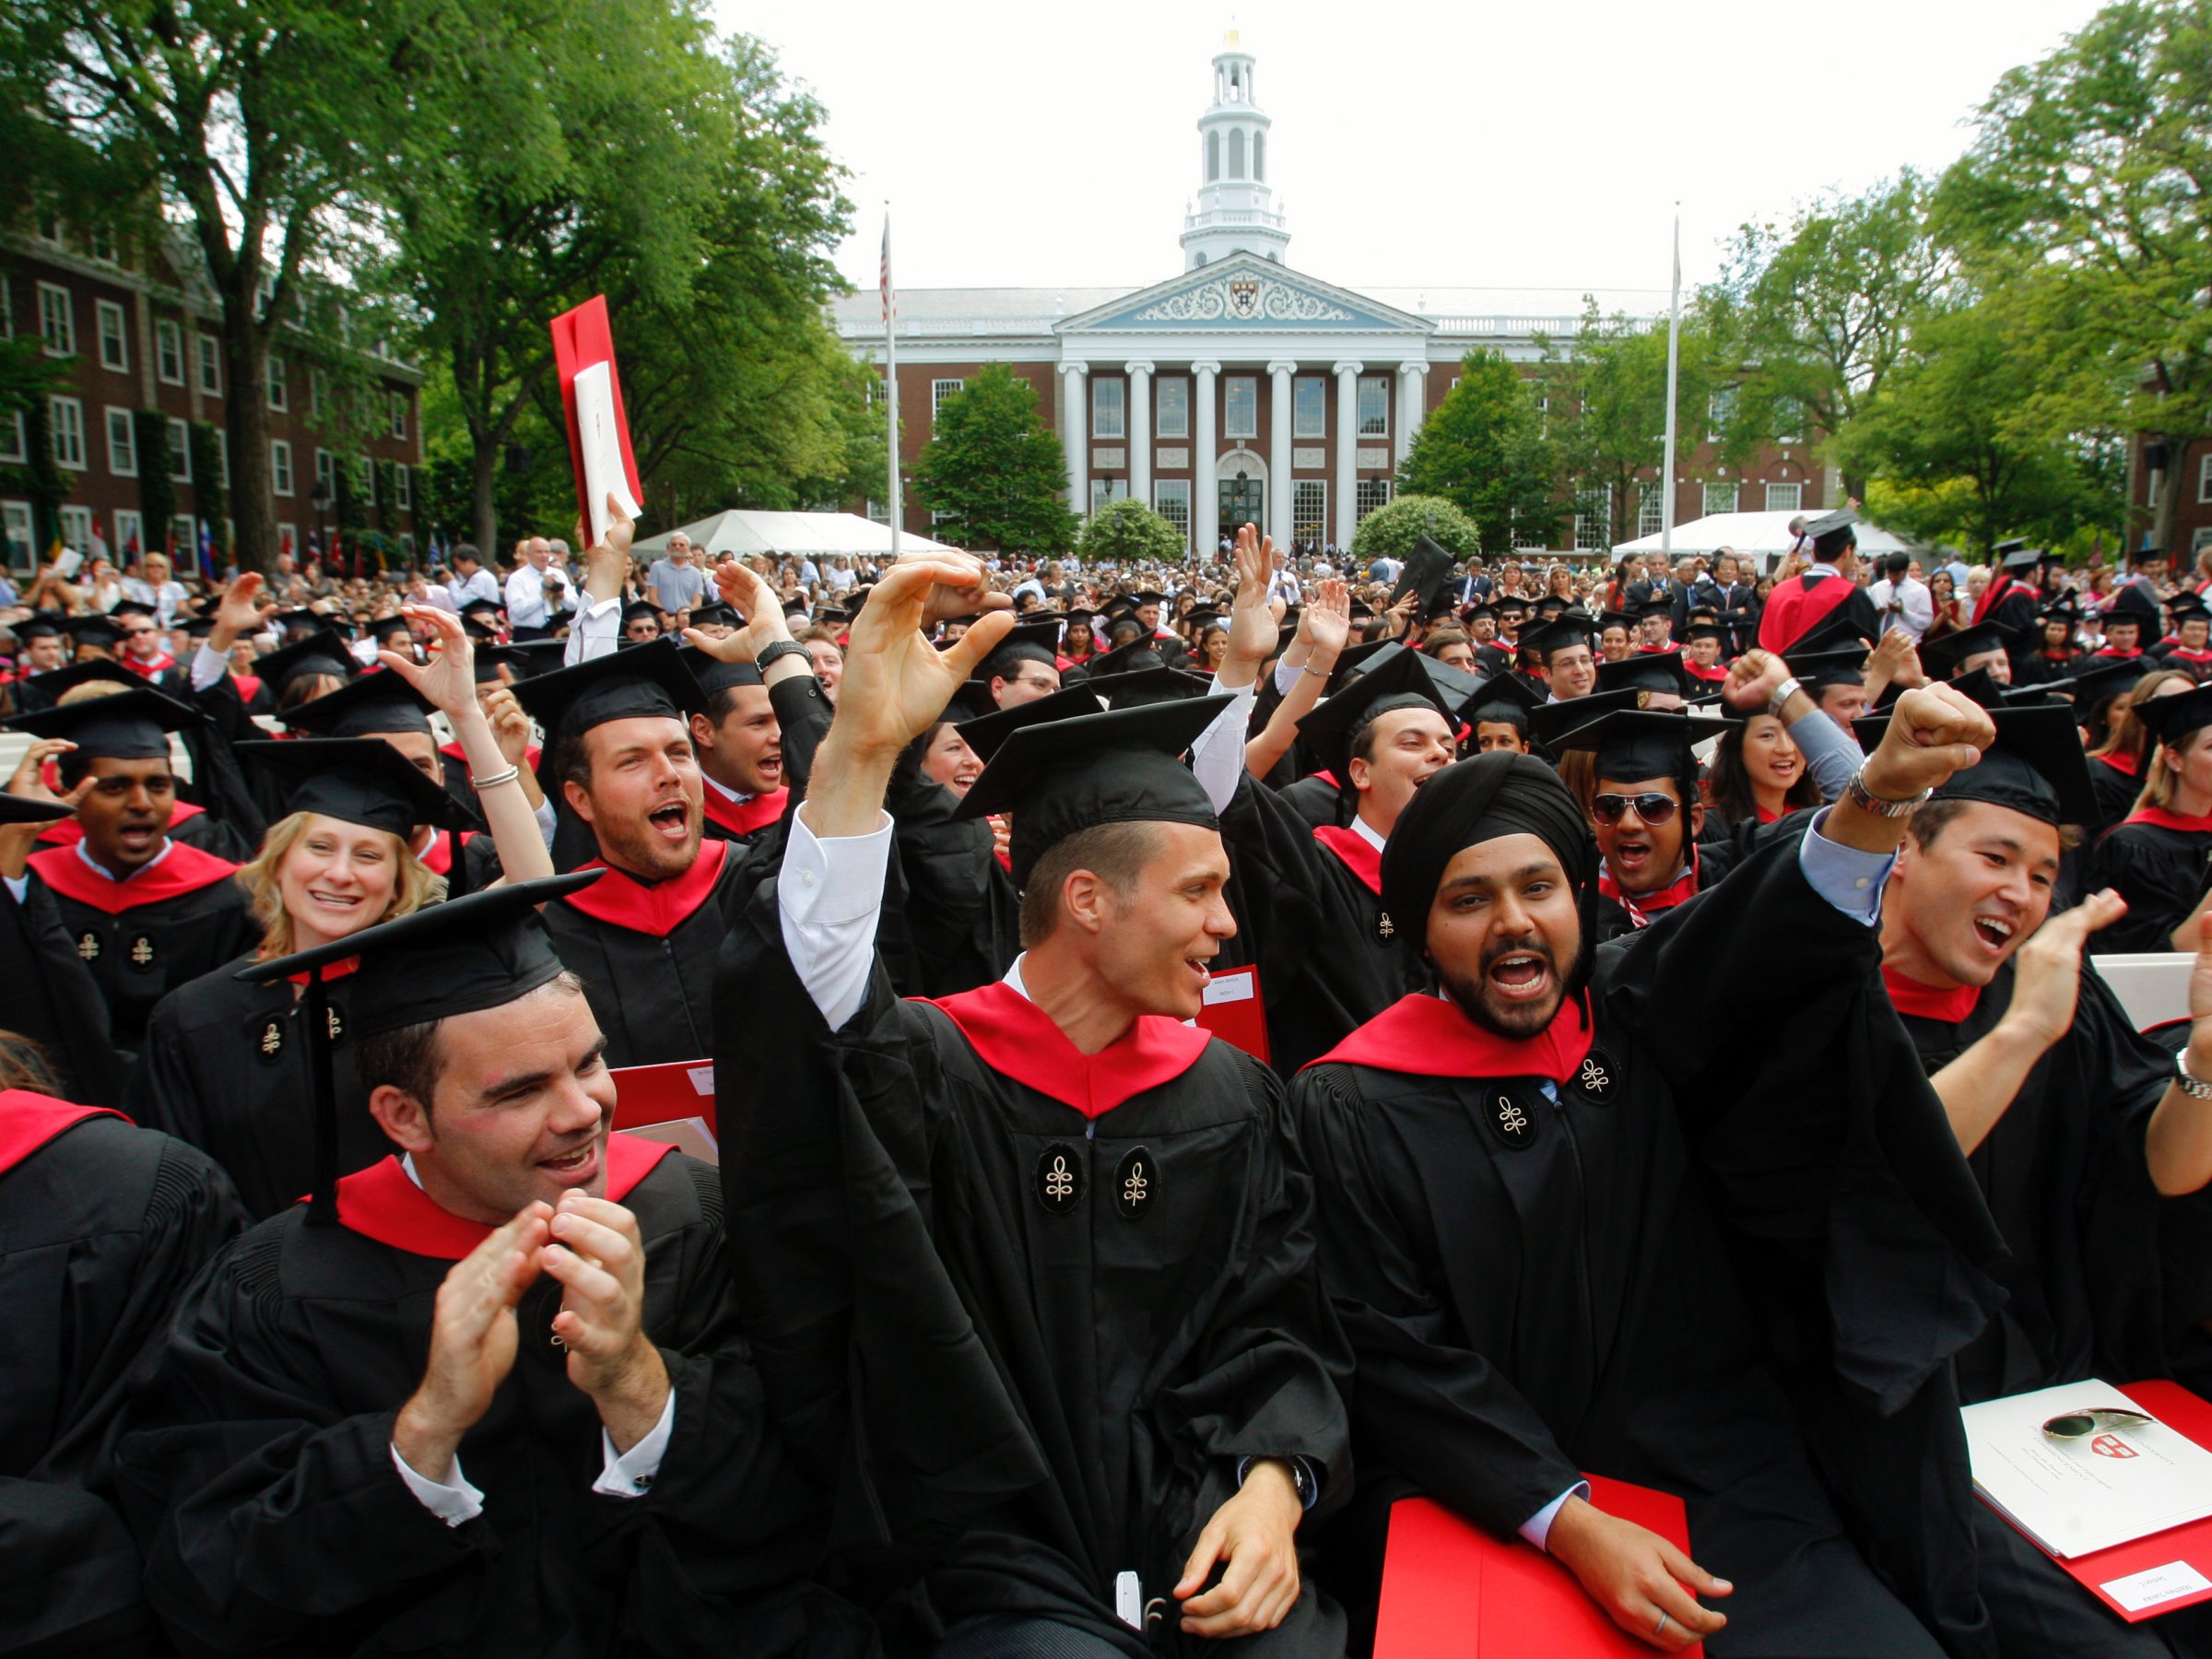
1346, 506
1278, 452
1206, 527
1138, 425
1075, 435
1413, 400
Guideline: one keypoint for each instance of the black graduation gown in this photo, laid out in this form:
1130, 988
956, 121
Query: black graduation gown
2040, 667
646, 954
1631, 1280
48, 993
2160, 873
1310, 917
1140, 1283
2115, 790
228, 1069
261, 1474
961, 916
144, 937
102, 1226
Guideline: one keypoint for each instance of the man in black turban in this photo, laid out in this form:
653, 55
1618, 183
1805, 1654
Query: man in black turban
1538, 1282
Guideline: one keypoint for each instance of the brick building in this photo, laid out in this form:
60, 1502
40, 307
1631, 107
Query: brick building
137, 331
1245, 390
2192, 532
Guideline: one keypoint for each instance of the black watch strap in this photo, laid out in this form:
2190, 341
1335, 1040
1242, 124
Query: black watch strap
780, 650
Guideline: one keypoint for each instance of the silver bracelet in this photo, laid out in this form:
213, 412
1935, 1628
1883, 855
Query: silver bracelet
1783, 693
509, 776
2190, 1086
1316, 673
1882, 806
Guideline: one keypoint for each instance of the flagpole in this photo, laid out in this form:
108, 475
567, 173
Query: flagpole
1673, 371
890, 348
1674, 355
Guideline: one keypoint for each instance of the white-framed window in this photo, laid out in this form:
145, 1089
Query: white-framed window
1594, 519
1719, 407
1310, 511
327, 473
57, 320
2204, 479
1103, 490
1786, 498
879, 513
1109, 407
1526, 540
364, 474
1172, 500
1239, 406
1369, 494
314, 393
100, 245
130, 527
180, 451
211, 364
187, 531
1374, 406
223, 456
1651, 507
279, 396
123, 443
403, 488
114, 338
49, 227
399, 415
1309, 406
2200, 540
1720, 497
939, 390
1789, 421
14, 446
8, 308
66, 416
18, 527
1172, 396
169, 353
280, 467
77, 528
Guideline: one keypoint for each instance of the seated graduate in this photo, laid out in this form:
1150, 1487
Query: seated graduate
2078, 1131
1103, 1190
1537, 1276
146, 912
106, 1227
2154, 858
581, 1464
47, 991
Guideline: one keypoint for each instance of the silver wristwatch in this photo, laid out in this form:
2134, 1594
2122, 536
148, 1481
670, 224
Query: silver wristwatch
2189, 1085
1866, 801
1783, 693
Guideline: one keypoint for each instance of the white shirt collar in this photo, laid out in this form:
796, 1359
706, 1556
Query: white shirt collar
100, 870
1367, 832
1013, 977
721, 789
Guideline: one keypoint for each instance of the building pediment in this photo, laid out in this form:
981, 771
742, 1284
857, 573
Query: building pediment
1244, 292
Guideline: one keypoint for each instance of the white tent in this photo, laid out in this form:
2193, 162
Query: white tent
1765, 535
795, 535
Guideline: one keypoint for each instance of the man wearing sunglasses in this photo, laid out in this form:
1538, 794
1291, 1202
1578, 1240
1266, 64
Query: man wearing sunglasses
1645, 812
1569, 1226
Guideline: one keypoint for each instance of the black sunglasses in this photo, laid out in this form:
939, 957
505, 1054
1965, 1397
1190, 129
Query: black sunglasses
1653, 807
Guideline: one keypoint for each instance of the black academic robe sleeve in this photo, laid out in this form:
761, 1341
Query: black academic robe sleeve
961, 914
48, 993
2161, 875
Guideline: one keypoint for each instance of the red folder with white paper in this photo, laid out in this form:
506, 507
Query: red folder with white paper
591, 392
1451, 1591
1233, 1012
673, 1103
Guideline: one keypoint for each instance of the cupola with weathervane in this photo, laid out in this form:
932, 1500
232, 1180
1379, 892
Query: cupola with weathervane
1235, 211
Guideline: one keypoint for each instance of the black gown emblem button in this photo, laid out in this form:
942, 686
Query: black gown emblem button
1511, 1118
269, 1044
335, 1021
1136, 1185
87, 946
1060, 1178
1596, 1078
142, 951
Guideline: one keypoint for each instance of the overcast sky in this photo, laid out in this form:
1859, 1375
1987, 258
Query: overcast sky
1508, 146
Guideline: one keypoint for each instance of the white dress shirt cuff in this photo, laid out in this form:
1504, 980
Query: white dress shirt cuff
631, 1474
1536, 1529
1217, 758
828, 894
208, 668
595, 631
1847, 877
547, 821
452, 1501
1285, 677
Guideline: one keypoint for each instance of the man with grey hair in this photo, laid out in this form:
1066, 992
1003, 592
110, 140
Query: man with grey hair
673, 581
537, 590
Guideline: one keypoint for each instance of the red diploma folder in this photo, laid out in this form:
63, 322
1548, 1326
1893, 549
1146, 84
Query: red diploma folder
2168, 1571
1451, 1591
673, 1102
582, 338
1233, 1012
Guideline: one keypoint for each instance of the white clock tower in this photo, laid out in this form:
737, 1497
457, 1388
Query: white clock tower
1234, 212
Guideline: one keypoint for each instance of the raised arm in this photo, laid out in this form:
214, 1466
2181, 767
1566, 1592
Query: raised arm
1322, 628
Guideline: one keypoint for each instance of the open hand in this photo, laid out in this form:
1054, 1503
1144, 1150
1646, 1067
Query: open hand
2047, 970
1251, 1536
750, 597
896, 683
449, 678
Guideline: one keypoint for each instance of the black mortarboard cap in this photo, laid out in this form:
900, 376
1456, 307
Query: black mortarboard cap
32, 809
649, 681
100, 631
529, 658
2097, 682
1650, 671
198, 627
1038, 639
1427, 573
2027, 559
363, 781
2185, 604
1832, 532
1148, 686
2066, 607
1517, 689
1654, 607
485, 609
1818, 670
322, 652
716, 613
986, 732
2170, 719
384, 630
58, 683
1941, 657
1064, 776
2133, 603
36, 628
1511, 602
1400, 680
1631, 745
640, 610
1125, 659
1552, 605
366, 707
1572, 629
2034, 767
714, 674
1834, 633
1144, 597
1550, 723
480, 951
1616, 619
1453, 686
132, 607
130, 726
1703, 630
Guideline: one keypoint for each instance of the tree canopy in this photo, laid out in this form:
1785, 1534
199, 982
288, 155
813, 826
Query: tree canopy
994, 470
1484, 450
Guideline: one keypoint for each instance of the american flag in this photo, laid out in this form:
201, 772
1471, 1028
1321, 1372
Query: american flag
891, 295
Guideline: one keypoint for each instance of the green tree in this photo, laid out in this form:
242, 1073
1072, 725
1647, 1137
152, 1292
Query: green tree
2090, 181
156, 494
1484, 450
1960, 446
1608, 407
208, 486
1389, 532
28, 376
265, 129
1813, 314
1129, 533
995, 470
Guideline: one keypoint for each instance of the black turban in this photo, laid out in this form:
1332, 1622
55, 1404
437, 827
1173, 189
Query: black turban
1478, 800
